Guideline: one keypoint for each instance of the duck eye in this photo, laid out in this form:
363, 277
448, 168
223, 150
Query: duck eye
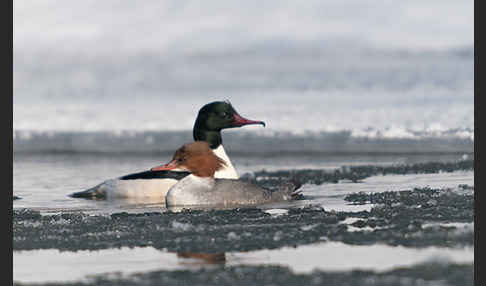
224, 114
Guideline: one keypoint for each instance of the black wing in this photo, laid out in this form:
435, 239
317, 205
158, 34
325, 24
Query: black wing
156, 175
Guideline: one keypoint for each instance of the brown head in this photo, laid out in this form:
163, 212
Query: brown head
197, 158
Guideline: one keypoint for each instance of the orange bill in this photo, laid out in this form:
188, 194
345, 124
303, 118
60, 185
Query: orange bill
169, 166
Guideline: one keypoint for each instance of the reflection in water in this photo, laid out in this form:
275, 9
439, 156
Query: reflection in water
324, 256
204, 258
329, 196
177, 209
44, 181
267, 206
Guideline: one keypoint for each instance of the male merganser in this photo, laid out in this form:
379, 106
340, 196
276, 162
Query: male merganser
211, 119
200, 188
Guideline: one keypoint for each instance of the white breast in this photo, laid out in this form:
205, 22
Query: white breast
228, 172
188, 190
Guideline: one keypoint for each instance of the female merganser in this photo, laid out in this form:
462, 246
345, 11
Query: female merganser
200, 188
211, 119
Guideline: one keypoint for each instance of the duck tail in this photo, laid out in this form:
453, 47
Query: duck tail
297, 195
92, 193
292, 188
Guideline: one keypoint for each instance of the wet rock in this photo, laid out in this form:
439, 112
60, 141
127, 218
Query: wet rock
26, 214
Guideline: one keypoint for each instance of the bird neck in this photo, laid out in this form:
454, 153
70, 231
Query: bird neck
213, 138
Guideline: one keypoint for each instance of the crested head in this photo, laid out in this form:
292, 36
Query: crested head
197, 158
215, 116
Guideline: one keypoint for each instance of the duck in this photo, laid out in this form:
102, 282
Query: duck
201, 188
212, 118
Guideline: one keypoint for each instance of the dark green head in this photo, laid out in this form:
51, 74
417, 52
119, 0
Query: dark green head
215, 116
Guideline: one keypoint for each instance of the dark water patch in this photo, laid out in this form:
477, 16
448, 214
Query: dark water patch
354, 173
424, 198
419, 168
400, 220
420, 274
423, 204
404, 213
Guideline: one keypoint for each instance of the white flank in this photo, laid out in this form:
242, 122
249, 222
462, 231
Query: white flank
141, 188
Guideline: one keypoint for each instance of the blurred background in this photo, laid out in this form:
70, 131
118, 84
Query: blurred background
329, 76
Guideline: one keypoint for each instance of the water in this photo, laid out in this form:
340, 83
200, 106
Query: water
44, 181
333, 256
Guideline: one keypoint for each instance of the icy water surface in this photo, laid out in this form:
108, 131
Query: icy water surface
339, 236
44, 181
334, 256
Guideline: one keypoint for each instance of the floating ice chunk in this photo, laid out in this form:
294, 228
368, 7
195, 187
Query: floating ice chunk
233, 236
277, 212
278, 236
181, 226
308, 227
